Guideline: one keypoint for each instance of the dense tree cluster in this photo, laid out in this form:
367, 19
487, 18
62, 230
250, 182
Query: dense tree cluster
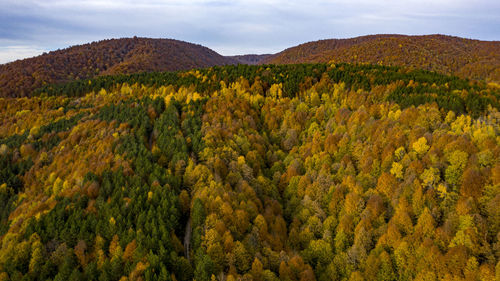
299, 172
406, 87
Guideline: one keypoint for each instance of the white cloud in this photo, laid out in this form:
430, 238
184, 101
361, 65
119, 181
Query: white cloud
12, 53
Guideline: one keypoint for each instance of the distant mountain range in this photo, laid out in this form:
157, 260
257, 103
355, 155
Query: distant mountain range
251, 59
446, 54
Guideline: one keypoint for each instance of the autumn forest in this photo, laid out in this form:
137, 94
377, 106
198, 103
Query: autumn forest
317, 171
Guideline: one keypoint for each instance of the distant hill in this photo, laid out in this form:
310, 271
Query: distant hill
250, 59
115, 56
446, 54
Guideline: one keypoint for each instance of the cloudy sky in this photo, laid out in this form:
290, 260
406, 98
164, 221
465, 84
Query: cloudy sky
31, 27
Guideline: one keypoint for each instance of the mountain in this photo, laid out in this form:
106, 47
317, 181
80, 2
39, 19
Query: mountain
250, 59
449, 55
243, 172
115, 56
446, 54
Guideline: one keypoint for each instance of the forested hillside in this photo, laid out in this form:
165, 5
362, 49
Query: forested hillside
115, 56
466, 58
446, 54
285, 172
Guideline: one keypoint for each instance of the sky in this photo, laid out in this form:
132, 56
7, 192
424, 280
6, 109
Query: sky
230, 27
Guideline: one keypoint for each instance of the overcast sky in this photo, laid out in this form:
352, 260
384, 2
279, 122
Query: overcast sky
31, 27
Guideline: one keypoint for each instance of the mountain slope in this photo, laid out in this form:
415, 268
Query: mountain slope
115, 56
284, 172
446, 54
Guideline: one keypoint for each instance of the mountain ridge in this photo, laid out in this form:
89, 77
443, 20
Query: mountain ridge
467, 58
105, 57
250, 58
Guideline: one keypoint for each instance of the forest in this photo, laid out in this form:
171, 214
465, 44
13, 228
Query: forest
466, 58
328, 171
105, 57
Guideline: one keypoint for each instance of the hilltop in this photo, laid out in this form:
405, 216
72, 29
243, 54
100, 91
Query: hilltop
106, 57
445, 54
